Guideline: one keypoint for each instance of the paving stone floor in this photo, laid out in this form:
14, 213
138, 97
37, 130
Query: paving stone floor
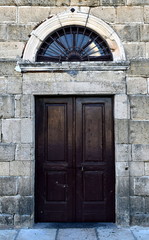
97, 231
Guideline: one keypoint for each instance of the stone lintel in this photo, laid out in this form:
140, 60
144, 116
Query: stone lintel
67, 66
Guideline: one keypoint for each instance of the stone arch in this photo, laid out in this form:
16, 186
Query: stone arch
73, 18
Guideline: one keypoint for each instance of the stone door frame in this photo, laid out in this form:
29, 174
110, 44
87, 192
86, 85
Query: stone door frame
95, 83
85, 78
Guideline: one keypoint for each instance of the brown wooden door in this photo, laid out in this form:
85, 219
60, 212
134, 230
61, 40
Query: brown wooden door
74, 159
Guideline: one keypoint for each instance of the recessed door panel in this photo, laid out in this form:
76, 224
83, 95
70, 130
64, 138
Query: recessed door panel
92, 132
90, 180
57, 132
74, 159
56, 183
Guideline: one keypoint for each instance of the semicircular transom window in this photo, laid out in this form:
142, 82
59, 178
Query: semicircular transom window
74, 43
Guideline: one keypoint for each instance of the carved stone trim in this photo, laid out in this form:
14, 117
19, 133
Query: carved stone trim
74, 18
68, 66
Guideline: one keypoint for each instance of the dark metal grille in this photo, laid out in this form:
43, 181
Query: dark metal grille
74, 43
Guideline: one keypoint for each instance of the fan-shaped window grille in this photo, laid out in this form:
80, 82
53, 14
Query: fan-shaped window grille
74, 43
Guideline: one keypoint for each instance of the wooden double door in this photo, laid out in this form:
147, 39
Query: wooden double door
75, 174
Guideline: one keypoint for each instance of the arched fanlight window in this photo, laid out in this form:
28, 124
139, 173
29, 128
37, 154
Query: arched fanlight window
74, 43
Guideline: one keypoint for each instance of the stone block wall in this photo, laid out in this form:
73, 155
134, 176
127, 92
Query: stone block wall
130, 20
137, 87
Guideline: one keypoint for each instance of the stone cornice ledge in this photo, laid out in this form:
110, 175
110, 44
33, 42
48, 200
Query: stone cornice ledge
25, 66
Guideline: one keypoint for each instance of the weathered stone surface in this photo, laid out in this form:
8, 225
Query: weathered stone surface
11, 49
136, 169
76, 234
123, 186
22, 220
136, 85
146, 205
32, 14
114, 233
123, 211
8, 186
57, 10
8, 68
36, 234
140, 233
146, 13
39, 2
20, 168
9, 205
18, 106
26, 2
8, 2
7, 152
138, 2
3, 32
126, 14
121, 110
145, 32
122, 169
91, 3
113, 2
141, 186
60, 3
11, 129
121, 131
141, 219
147, 49
26, 106
23, 152
137, 205
19, 129
147, 169
107, 14
3, 84
19, 32
123, 152
131, 186
139, 107
14, 85
25, 206
140, 152
26, 130
139, 132
0, 130
6, 106
81, 82
4, 168
134, 51
139, 67
127, 32
8, 14
24, 186
5, 221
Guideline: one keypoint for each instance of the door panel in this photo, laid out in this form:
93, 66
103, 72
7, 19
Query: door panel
94, 142
74, 159
92, 132
90, 179
54, 159
57, 129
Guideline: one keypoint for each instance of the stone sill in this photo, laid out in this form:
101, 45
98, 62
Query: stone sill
71, 66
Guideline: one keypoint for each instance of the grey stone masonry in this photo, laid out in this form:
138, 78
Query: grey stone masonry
7, 152
126, 81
